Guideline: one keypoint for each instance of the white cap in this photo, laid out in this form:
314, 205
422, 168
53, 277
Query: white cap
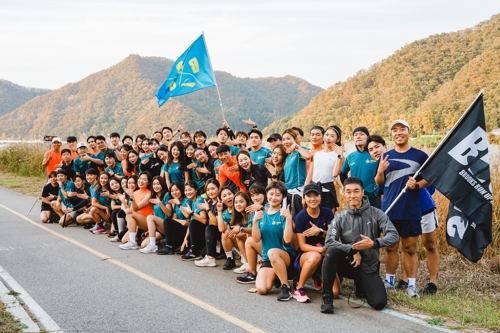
56, 139
400, 121
81, 144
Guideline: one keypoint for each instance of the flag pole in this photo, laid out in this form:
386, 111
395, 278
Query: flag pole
212, 68
403, 191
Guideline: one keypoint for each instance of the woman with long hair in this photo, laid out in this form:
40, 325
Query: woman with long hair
249, 172
101, 203
212, 233
276, 165
132, 166
173, 171
139, 210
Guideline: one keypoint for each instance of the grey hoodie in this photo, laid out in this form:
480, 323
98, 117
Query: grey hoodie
349, 224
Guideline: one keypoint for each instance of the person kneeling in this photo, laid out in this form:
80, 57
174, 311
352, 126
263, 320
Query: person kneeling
358, 228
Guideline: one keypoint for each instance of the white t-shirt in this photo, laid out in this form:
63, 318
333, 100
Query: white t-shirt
323, 166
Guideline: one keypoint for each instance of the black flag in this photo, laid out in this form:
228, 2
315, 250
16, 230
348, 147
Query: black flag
459, 168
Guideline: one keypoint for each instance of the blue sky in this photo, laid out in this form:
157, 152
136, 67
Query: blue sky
48, 44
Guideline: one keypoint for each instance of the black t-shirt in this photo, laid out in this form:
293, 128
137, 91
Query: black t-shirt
70, 171
210, 167
153, 166
48, 189
258, 173
323, 220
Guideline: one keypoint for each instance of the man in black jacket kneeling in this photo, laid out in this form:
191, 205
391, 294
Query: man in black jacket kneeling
355, 256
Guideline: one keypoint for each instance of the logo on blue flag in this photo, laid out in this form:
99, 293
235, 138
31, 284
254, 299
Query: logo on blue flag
191, 72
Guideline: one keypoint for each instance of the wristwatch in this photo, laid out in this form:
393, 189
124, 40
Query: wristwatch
417, 187
339, 156
296, 147
320, 232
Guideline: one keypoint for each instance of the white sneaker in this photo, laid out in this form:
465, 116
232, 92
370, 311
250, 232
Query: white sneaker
149, 249
94, 228
114, 239
205, 262
129, 246
242, 269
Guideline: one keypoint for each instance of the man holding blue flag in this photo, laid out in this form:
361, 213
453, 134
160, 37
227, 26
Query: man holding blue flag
191, 72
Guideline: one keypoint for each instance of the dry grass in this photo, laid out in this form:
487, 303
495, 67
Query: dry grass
8, 324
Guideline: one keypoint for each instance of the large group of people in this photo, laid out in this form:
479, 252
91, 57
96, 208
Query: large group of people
274, 208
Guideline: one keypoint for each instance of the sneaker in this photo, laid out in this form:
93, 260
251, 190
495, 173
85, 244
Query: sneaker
205, 262
230, 264
248, 277
388, 285
88, 225
326, 303
95, 227
285, 293
300, 295
430, 289
113, 234
242, 269
149, 249
99, 230
402, 284
114, 239
317, 282
129, 246
167, 250
412, 291
190, 256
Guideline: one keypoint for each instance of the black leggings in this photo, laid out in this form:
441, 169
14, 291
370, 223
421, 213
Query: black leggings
212, 235
370, 284
174, 232
197, 236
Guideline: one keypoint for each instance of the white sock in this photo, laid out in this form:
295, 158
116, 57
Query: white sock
121, 224
132, 237
390, 278
229, 255
152, 240
412, 281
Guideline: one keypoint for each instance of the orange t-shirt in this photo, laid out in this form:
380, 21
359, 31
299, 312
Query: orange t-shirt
56, 159
74, 155
234, 176
138, 196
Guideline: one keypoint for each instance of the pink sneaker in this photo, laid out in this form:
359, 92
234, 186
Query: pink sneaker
99, 230
300, 295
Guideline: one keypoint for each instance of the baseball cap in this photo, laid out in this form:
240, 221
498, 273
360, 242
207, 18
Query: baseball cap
312, 187
81, 144
274, 136
56, 139
400, 121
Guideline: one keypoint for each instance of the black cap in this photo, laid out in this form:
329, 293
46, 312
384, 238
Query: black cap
312, 187
361, 129
274, 136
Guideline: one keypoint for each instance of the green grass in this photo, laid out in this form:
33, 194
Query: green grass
14, 293
23, 159
8, 323
463, 308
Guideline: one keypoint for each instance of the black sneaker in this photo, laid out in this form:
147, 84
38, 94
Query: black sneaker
430, 289
88, 225
230, 264
248, 277
165, 251
326, 303
190, 256
402, 284
285, 293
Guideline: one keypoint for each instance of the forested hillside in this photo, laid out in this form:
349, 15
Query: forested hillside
429, 82
13, 96
122, 99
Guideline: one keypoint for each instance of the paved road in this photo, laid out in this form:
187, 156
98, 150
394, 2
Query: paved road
87, 284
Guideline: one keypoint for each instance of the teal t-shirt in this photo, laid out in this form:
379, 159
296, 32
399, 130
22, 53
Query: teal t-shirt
174, 171
194, 175
234, 150
157, 208
259, 156
363, 166
105, 201
178, 211
272, 228
217, 163
82, 166
295, 170
226, 216
69, 186
117, 170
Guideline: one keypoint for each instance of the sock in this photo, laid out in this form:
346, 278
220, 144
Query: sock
132, 237
390, 278
121, 223
229, 255
152, 240
412, 281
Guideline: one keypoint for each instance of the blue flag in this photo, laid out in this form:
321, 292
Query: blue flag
191, 72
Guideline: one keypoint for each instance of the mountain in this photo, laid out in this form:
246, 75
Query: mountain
429, 82
13, 96
122, 99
